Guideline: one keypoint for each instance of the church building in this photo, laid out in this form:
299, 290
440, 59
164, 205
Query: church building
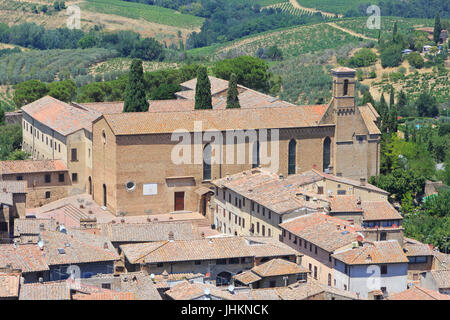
136, 156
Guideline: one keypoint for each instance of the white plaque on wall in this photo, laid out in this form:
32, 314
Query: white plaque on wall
150, 189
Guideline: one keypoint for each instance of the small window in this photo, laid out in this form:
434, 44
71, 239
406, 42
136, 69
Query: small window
3, 226
48, 178
159, 265
130, 186
233, 261
106, 285
47, 195
383, 269
221, 261
73, 154
198, 262
61, 177
74, 177
19, 178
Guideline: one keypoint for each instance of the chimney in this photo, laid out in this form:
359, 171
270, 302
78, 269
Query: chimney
4, 190
105, 245
281, 176
362, 181
171, 236
202, 235
165, 274
41, 227
122, 221
149, 219
338, 227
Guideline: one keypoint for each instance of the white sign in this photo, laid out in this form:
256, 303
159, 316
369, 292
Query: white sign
150, 189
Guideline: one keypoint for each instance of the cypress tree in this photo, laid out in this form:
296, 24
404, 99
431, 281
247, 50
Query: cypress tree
367, 98
391, 97
437, 28
135, 97
402, 100
393, 123
203, 90
406, 132
394, 33
232, 96
384, 114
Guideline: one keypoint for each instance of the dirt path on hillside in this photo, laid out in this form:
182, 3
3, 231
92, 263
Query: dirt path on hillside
355, 34
313, 10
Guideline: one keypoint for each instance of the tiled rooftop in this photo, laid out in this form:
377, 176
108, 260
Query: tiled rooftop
373, 253
9, 285
79, 247
278, 267
379, 210
31, 166
27, 258
442, 278
203, 249
327, 232
191, 291
13, 187
413, 247
154, 231
32, 226
55, 290
60, 116
418, 293
345, 203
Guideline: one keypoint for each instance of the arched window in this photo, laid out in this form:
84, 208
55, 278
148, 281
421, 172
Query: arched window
292, 156
207, 162
326, 153
255, 155
345, 87
105, 200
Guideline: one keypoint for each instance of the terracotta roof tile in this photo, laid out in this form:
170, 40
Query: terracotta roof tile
327, 232
203, 249
31, 166
13, 186
27, 257
191, 291
418, 293
32, 226
379, 210
60, 116
442, 278
9, 285
278, 267
145, 232
373, 253
345, 203
58, 290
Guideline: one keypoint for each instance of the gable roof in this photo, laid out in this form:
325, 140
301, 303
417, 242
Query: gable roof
60, 116
78, 246
146, 232
441, 277
418, 293
137, 123
55, 290
27, 257
413, 247
278, 267
345, 203
327, 232
373, 253
379, 210
193, 291
202, 249
32, 226
13, 186
31, 166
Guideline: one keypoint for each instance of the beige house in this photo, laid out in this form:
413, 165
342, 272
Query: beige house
54, 130
13, 196
135, 173
47, 180
256, 201
316, 237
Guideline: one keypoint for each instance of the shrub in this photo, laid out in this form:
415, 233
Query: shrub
415, 60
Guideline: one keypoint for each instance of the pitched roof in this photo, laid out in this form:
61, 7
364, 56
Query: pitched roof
9, 285
105, 295
27, 257
247, 277
32, 226
192, 291
202, 249
418, 293
31, 166
60, 116
269, 190
55, 290
355, 183
442, 278
413, 247
278, 267
345, 203
136, 123
327, 232
145, 232
373, 253
369, 118
379, 210
13, 186
78, 247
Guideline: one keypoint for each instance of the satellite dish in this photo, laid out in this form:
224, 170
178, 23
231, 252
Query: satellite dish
207, 291
231, 288
152, 276
40, 244
62, 229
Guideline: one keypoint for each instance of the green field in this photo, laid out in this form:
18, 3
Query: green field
387, 25
292, 41
143, 11
49, 65
334, 6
